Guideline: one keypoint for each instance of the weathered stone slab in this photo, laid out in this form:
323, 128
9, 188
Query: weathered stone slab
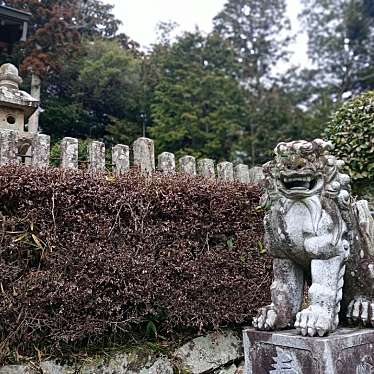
205, 168
217, 352
187, 165
209, 352
122, 363
96, 156
51, 367
241, 173
8, 147
225, 171
166, 163
41, 145
120, 159
69, 153
256, 174
345, 351
161, 366
144, 155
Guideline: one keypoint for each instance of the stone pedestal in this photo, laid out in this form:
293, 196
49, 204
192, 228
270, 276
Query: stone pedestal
347, 351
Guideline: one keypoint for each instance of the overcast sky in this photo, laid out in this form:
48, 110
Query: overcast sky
140, 18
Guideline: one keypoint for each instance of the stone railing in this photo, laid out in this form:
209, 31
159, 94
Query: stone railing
142, 154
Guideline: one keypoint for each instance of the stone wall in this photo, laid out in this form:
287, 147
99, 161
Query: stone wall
216, 352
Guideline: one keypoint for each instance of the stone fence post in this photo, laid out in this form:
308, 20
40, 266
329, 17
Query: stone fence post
96, 156
166, 163
187, 165
69, 153
241, 173
205, 168
256, 174
144, 155
41, 146
225, 171
120, 159
8, 147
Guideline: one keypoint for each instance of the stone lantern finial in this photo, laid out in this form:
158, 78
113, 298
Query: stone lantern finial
9, 76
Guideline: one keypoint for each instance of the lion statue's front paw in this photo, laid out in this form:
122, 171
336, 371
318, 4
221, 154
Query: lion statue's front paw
266, 318
315, 320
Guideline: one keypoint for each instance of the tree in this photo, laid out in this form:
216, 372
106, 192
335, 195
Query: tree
95, 19
65, 45
341, 47
302, 91
259, 32
198, 107
341, 43
56, 29
101, 95
282, 118
49, 34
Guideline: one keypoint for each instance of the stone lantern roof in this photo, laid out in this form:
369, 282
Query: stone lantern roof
11, 96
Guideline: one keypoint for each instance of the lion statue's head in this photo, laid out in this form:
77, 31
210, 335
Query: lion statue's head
302, 169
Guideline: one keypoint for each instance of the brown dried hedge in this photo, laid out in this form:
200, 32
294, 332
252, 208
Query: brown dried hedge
84, 257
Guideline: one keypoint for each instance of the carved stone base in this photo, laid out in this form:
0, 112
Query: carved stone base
347, 351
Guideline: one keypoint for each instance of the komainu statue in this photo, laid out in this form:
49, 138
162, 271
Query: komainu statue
317, 234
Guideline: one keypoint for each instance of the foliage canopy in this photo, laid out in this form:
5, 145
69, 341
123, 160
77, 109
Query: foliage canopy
57, 27
198, 106
352, 132
218, 95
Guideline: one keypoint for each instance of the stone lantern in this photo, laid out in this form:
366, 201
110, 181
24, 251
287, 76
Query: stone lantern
16, 106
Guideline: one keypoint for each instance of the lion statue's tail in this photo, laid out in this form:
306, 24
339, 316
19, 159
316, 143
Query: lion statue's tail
366, 225
360, 288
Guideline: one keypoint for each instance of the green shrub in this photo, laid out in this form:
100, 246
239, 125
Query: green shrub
351, 130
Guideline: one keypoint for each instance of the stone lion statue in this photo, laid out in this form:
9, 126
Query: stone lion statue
320, 235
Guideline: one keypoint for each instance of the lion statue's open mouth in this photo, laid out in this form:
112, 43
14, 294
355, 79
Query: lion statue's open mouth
298, 185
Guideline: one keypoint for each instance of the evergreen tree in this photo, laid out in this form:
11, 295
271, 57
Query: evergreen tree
94, 18
281, 118
198, 107
259, 33
100, 97
341, 43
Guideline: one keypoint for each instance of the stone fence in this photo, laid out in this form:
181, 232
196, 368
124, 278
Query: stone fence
20, 143
141, 154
